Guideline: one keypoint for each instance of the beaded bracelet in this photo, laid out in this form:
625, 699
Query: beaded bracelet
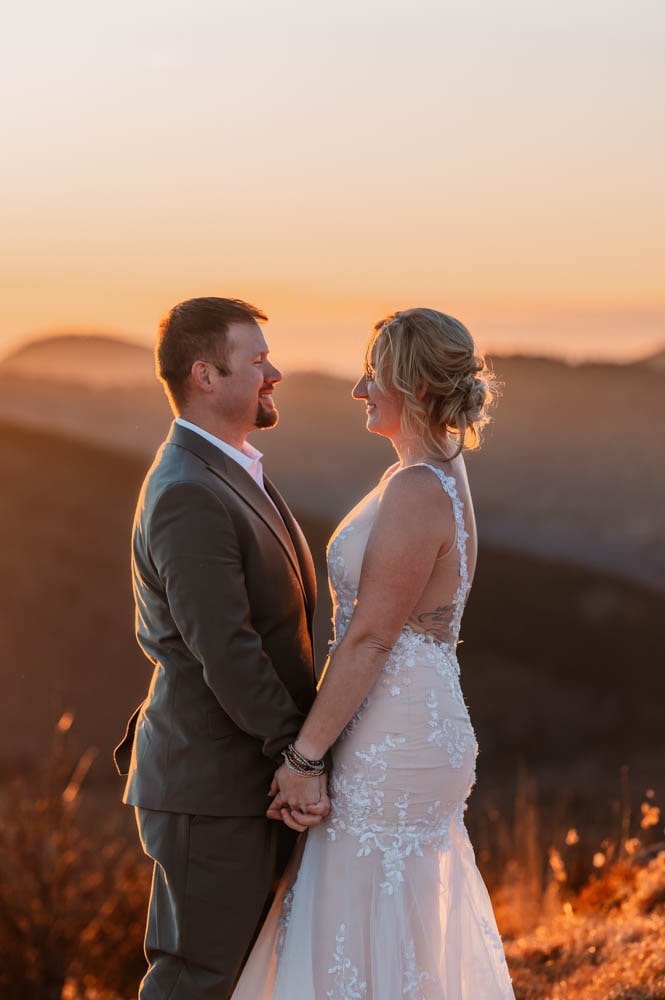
302, 765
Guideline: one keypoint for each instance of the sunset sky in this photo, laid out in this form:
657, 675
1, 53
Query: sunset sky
331, 163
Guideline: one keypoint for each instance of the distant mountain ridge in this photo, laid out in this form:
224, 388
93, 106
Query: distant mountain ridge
656, 361
571, 469
96, 360
76, 357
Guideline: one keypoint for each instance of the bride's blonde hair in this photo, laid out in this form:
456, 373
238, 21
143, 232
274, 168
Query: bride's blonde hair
444, 385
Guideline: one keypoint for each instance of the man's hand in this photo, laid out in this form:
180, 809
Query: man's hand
298, 801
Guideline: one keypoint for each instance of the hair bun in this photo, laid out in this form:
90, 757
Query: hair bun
424, 347
476, 396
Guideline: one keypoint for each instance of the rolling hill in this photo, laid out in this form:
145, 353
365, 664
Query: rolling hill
558, 662
572, 468
89, 359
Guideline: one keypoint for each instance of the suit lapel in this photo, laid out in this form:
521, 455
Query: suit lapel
302, 550
234, 476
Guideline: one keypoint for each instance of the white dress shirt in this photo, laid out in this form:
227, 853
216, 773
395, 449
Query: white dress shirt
249, 458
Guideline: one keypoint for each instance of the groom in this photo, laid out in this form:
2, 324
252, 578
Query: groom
225, 589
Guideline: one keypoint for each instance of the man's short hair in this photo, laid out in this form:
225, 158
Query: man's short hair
196, 330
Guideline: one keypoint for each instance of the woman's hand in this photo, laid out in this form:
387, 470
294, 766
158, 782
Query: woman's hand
299, 801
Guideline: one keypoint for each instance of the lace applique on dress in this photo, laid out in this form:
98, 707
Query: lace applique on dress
283, 923
340, 585
493, 934
347, 984
358, 796
358, 809
409, 650
417, 983
449, 484
344, 604
456, 740
396, 672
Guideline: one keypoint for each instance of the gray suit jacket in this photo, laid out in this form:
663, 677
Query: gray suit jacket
225, 591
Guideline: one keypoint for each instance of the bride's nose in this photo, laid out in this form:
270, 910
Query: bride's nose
359, 390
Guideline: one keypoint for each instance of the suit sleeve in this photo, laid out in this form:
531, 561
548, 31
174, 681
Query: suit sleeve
195, 549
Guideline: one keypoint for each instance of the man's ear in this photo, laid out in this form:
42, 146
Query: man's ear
422, 391
200, 376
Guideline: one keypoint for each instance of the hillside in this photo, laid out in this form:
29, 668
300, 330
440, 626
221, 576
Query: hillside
571, 469
656, 361
79, 358
557, 662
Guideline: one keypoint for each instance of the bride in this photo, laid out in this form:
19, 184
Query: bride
385, 901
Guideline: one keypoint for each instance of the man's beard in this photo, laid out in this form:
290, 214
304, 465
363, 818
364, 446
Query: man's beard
266, 418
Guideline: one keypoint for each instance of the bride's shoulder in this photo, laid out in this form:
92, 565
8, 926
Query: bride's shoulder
410, 508
389, 472
411, 485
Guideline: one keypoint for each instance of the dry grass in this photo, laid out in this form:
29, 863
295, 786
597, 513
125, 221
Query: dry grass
581, 920
72, 891
608, 944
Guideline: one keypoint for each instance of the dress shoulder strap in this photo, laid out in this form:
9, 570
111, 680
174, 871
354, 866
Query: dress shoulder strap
449, 485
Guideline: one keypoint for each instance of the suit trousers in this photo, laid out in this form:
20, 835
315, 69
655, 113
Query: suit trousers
211, 886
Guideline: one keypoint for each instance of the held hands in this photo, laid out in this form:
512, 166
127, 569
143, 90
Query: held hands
299, 801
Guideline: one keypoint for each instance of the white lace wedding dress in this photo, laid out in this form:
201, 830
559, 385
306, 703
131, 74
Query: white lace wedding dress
385, 901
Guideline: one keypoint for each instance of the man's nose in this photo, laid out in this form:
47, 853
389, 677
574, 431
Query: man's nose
273, 374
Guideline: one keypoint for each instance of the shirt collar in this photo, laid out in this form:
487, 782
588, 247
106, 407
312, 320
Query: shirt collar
247, 456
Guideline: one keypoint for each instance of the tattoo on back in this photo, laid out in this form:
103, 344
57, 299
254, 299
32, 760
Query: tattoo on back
436, 623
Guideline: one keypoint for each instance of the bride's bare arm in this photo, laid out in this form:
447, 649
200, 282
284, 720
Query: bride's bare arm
412, 524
